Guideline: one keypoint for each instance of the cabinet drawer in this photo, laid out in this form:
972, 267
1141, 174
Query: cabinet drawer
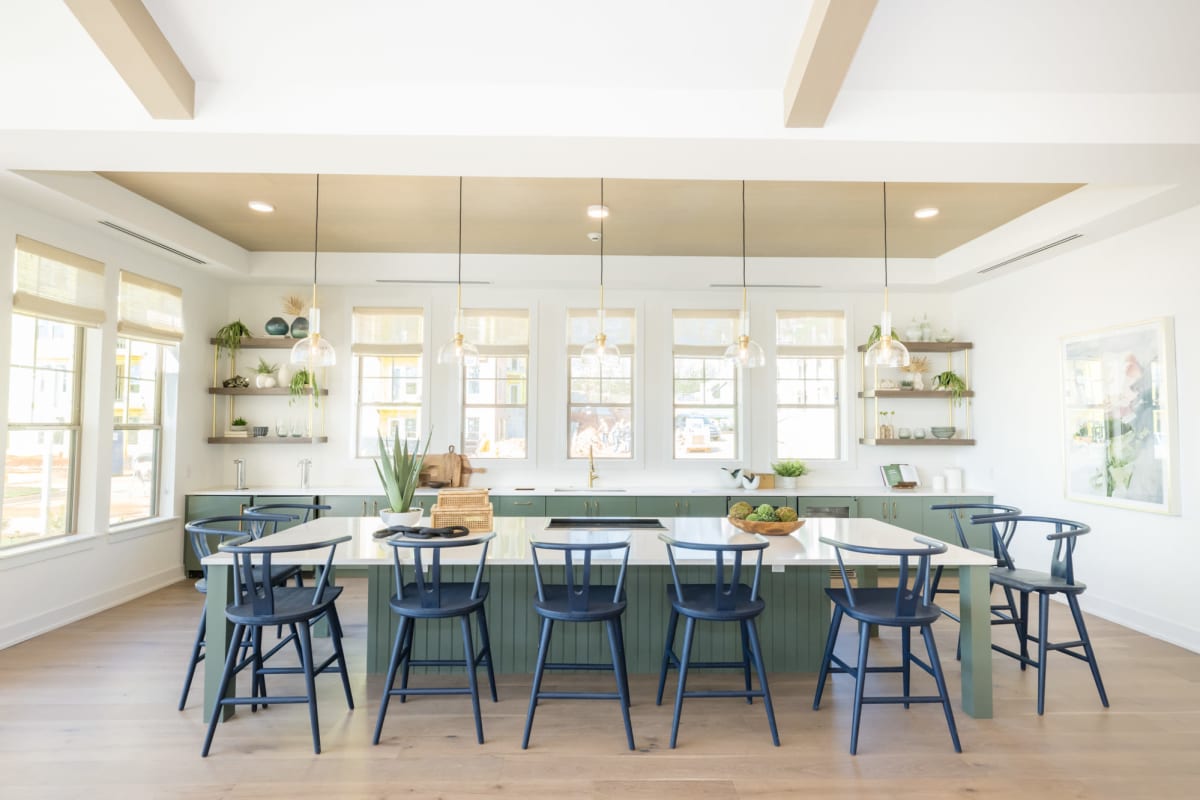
520, 506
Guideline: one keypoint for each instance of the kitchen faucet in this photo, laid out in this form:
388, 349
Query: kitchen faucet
592, 474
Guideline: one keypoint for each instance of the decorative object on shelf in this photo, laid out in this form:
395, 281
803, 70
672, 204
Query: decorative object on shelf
944, 335
283, 375
276, 326
886, 351
873, 336
260, 430
926, 329
907, 384
918, 433
236, 382
884, 429
745, 352
750, 481
950, 381
913, 332
400, 473
229, 337
458, 350
1119, 417
298, 428
313, 350
904, 433
281, 428
299, 329
598, 351
468, 507
787, 471
302, 380
238, 425
943, 431
733, 476
265, 374
915, 370
888, 383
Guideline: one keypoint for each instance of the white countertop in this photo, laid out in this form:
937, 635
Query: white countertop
511, 545
639, 491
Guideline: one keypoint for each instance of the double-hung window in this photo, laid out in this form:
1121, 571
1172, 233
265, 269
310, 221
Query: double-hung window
600, 393
810, 350
149, 329
495, 386
388, 348
704, 385
56, 295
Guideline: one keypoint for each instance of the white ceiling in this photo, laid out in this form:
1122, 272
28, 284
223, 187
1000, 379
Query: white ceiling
1100, 92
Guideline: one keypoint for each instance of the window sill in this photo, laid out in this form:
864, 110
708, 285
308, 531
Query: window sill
141, 528
59, 547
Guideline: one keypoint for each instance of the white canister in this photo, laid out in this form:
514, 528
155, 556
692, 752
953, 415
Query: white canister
954, 480
939, 484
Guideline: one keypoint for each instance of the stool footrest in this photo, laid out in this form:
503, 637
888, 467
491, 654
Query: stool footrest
263, 700
723, 693
600, 667
578, 696
429, 690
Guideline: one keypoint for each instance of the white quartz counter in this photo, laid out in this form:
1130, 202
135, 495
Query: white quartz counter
638, 491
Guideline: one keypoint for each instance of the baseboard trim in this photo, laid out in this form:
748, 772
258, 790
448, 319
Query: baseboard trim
46, 621
1140, 621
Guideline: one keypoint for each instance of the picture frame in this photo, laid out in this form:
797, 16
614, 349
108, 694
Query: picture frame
1119, 417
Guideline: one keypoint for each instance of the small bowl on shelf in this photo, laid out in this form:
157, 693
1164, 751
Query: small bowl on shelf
259, 430
943, 432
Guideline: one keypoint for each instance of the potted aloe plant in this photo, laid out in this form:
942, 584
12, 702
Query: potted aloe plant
400, 472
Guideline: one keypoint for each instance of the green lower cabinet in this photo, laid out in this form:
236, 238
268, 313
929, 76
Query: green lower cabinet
353, 505
199, 506
905, 512
825, 506
681, 506
577, 506
272, 499
939, 524
425, 502
774, 500
519, 506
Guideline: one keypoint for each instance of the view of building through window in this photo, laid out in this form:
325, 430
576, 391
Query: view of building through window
600, 393
705, 386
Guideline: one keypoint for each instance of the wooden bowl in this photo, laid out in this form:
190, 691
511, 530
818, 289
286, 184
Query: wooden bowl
766, 528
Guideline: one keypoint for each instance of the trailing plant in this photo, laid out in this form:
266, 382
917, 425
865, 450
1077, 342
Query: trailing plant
229, 338
789, 468
400, 470
264, 368
951, 381
300, 383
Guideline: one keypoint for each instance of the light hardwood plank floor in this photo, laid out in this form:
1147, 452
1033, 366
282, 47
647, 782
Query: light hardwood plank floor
89, 711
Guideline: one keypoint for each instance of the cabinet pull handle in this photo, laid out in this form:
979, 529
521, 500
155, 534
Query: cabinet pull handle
893, 509
364, 508
241, 513
677, 508
374, 506
522, 502
883, 508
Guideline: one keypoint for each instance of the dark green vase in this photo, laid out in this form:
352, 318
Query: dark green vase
276, 326
299, 328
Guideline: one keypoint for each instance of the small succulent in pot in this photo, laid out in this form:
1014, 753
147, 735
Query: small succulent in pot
238, 424
265, 374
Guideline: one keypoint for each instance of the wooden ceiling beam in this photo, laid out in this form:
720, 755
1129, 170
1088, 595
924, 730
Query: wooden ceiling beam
827, 47
132, 42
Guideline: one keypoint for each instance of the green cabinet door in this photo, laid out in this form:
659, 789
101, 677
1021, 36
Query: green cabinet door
582, 506
816, 506
773, 500
660, 507
353, 505
271, 499
425, 502
519, 506
940, 525
199, 506
703, 506
608, 506
904, 512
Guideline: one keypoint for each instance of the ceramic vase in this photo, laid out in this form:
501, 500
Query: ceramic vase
394, 518
283, 375
276, 326
264, 381
748, 483
785, 481
299, 327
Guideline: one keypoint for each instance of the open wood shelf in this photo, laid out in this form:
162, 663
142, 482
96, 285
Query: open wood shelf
911, 393
926, 347
918, 442
266, 342
268, 439
277, 391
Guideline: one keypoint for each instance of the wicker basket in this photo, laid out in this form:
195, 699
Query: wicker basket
766, 528
450, 499
476, 520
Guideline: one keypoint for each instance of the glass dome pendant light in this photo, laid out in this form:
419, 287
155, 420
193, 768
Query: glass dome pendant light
745, 352
458, 350
599, 351
886, 351
314, 350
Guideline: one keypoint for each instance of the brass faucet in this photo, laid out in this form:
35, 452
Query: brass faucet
592, 474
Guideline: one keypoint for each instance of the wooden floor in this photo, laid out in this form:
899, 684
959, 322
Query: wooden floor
89, 710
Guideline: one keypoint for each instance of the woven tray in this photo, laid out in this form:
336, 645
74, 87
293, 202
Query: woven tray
766, 528
476, 520
449, 499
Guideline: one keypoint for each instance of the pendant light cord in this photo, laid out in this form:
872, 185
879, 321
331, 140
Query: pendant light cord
316, 229
885, 238
743, 235
460, 217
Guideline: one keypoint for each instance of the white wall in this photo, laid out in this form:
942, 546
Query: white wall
1137, 565
97, 569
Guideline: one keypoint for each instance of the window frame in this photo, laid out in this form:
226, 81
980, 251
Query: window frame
360, 404
155, 427
706, 353
628, 351
402, 349
497, 352
464, 405
839, 355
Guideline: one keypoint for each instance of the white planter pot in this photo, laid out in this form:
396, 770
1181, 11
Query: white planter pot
283, 375
750, 484
785, 481
407, 518
264, 381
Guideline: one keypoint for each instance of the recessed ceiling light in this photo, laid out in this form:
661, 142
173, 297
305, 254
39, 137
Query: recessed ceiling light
261, 206
925, 213
597, 211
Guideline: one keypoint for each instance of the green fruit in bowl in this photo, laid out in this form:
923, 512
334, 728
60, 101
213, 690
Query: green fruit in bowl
766, 513
753, 518
786, 514
740, 510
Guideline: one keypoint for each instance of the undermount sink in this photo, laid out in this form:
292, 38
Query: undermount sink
584, 489
604, 523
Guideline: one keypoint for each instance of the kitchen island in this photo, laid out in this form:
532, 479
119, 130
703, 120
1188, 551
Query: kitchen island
796, 570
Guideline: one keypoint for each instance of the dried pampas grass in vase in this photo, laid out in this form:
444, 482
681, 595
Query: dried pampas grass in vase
293, 304
917, 367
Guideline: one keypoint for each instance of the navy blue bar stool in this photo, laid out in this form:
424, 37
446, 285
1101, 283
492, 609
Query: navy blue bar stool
724, 599
202, 534
259, 604
433, 598
301, 512
906, 606
580, 599
1059, 580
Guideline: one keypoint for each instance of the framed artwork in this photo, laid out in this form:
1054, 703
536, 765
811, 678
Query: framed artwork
1119, 417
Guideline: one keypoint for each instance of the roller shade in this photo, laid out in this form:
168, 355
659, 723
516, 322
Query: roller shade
497, 331
148, 309
703, 333
381, 331
619, 326
57, 284
810, 333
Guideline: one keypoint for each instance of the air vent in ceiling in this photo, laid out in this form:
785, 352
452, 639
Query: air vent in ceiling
430, 282
1032, 252
765, 286
148, 240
